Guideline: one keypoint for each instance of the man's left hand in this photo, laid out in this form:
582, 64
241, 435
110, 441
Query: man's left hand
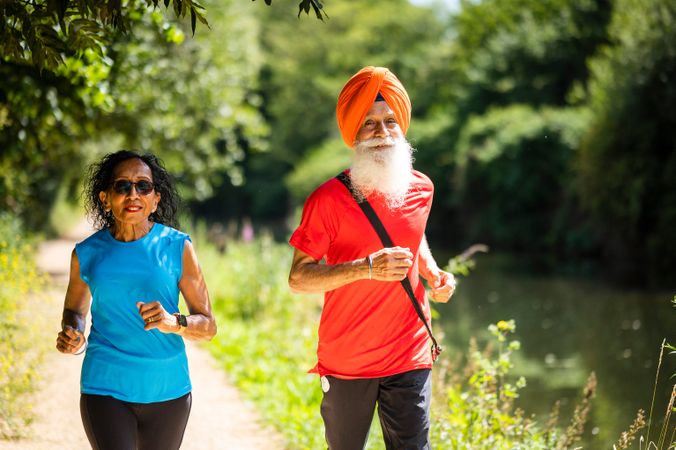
442, 284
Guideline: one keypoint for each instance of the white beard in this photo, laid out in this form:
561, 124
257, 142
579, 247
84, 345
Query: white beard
386, 172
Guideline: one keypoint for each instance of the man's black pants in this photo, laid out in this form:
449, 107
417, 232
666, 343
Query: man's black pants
403, 408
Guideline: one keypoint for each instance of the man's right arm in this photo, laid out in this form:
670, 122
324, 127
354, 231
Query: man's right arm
308, 275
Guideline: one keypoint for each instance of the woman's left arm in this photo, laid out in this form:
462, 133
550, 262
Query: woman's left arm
201, 322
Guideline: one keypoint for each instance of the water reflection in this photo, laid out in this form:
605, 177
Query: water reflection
569, 327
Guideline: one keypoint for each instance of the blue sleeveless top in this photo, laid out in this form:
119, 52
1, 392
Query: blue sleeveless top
122, 359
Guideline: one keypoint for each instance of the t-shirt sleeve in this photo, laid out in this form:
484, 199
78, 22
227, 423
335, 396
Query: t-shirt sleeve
426, 186
429, 203
317, 225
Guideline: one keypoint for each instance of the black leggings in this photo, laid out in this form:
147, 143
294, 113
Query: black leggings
113, 424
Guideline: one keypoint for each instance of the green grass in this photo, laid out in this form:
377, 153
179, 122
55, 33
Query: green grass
266, 336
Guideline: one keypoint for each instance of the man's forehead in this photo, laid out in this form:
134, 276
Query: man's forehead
379, 108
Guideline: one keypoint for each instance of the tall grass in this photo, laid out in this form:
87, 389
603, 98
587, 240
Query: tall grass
19, 353
267, 340
474, 408
663, 436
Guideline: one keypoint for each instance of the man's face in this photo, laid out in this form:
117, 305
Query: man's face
379, 123
382, 159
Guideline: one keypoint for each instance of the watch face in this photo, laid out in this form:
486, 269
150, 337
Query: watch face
182, 320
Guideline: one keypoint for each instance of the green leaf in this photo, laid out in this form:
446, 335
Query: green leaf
178, 8
303, 6
201, 18
193, 20
83, 8
114, 10
61, 8
318, 11
85, 25
49, 37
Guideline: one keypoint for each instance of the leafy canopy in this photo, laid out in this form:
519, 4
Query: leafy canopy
45, 33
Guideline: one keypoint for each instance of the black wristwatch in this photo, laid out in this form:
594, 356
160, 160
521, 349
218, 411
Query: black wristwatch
182, 320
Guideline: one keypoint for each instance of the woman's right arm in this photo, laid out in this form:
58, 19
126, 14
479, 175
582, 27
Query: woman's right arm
75, 307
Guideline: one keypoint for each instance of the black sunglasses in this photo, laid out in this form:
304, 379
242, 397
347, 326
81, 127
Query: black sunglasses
123, 187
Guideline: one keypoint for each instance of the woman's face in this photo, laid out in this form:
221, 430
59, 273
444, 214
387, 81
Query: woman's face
128, 196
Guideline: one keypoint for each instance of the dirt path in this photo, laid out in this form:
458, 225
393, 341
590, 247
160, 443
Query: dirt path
220, 418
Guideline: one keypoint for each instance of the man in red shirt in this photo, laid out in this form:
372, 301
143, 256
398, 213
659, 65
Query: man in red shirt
373, 347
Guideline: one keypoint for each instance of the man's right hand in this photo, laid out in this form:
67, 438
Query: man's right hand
391, 263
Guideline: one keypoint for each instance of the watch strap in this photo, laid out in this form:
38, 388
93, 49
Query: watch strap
181, 319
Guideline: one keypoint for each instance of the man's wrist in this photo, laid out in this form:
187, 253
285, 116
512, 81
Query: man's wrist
429, 272
365, 266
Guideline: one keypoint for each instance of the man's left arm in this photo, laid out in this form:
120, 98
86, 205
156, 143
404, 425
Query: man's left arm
442, 283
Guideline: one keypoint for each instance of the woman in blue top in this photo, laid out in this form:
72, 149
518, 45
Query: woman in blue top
135, 387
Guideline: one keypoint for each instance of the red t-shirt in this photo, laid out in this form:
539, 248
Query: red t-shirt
368, 328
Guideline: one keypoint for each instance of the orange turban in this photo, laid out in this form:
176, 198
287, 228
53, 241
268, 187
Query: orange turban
358, 95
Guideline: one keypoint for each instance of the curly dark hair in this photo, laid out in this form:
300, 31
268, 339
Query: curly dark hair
100, 176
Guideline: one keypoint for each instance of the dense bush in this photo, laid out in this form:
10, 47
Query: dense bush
514, 178
627, 163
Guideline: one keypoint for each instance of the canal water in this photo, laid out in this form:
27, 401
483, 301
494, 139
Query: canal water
569, 327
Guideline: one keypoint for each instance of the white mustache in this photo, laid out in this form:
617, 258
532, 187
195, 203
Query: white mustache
375, 142
387, 172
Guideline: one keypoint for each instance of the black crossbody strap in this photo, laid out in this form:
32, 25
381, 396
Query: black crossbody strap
387, 242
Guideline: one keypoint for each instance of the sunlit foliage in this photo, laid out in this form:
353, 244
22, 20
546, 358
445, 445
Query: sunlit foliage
20, 351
